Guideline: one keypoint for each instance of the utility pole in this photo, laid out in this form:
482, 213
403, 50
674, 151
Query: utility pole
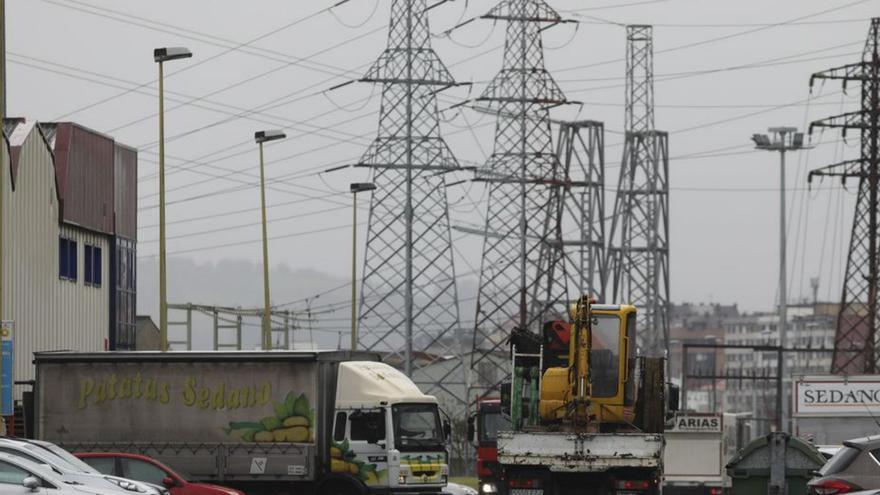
355, 188
639, 235
856, 337
522, 277
784, 139
408, 260
261, 137
160, 56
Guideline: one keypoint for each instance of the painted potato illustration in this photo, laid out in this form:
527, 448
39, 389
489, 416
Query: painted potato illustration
293, 422
344, 460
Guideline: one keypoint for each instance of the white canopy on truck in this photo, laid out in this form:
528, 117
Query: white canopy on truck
366, 384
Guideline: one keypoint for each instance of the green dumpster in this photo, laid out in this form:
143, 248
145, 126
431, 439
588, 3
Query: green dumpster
751, 469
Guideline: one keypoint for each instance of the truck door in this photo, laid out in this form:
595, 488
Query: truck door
362, 445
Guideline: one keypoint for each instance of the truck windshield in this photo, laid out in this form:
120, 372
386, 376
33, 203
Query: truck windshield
605, 355
417, 427
490, 423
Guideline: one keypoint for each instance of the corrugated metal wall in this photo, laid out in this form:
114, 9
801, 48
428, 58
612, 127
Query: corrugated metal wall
49, 313
84, 161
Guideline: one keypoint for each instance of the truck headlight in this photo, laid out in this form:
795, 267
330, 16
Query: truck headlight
488, 488
401, 478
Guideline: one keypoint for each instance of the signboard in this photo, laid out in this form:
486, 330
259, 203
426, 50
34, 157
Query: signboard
193, 402
837, 396
6, 378
696, 423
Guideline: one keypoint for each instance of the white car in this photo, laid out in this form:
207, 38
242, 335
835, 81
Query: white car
20, 476
458, 489
73, 471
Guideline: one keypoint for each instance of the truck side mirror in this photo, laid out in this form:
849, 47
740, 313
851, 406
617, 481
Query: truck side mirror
673, 395
447, 429
471, 428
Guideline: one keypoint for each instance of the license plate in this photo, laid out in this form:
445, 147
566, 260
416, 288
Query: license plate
526, 491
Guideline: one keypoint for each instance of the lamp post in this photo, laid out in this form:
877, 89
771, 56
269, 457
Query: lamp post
160, 56
356, 187
262, 137
783, 139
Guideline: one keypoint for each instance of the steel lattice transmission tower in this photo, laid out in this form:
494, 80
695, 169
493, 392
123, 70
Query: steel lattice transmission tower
409, 292
522, 276
856, 339
581, 217
639, 235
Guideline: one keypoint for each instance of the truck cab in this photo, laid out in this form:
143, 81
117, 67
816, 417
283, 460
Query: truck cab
386, 432
483, 427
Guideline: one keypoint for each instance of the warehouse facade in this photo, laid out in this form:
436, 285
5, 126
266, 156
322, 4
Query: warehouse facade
69, 240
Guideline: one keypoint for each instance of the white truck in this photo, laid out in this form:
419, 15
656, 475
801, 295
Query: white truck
332, 423
698, 447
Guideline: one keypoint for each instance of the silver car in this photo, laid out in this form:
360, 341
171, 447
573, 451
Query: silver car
19, 476
73, 471
856, 466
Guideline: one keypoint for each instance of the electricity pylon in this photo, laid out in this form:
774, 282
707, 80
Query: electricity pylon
409, 294
856, 338
522, 275
639, 235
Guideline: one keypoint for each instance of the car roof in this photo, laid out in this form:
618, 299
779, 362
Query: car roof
30, 466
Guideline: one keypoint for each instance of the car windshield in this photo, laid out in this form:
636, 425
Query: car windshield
417, 427
48, 457
71, 459
491, 423
840, 461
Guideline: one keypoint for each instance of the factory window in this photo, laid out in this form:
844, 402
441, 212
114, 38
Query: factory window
92, 261
67, 259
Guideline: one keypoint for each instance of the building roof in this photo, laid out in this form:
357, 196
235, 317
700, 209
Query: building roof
95, 177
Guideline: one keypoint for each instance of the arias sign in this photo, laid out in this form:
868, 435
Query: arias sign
697, 424
855, 396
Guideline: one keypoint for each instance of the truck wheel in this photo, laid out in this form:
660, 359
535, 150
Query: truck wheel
341, 486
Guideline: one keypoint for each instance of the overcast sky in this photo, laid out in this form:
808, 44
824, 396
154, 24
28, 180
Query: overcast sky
724, 71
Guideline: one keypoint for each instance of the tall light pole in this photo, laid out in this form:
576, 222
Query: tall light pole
160, 56
262, 137
356, 187
783, 139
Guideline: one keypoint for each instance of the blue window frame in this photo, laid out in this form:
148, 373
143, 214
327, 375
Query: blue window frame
67, 260
92, 262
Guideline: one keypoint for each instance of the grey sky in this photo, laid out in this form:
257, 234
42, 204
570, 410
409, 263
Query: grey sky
724, 208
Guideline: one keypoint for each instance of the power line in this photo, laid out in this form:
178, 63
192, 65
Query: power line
723, 37
188, 66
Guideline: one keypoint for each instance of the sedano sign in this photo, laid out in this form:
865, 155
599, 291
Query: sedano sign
833, 396
692, 423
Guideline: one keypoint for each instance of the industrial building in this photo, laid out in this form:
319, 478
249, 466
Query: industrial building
69, 213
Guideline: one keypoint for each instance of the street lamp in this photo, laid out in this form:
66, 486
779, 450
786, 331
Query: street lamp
262, 137
783, 139
160, 56
356, 187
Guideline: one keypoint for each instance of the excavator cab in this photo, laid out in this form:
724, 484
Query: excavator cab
603, 385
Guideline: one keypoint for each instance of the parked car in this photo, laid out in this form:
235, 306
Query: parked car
19, 476
458, 489
856, 466
146, 469
828, 451
73, 471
